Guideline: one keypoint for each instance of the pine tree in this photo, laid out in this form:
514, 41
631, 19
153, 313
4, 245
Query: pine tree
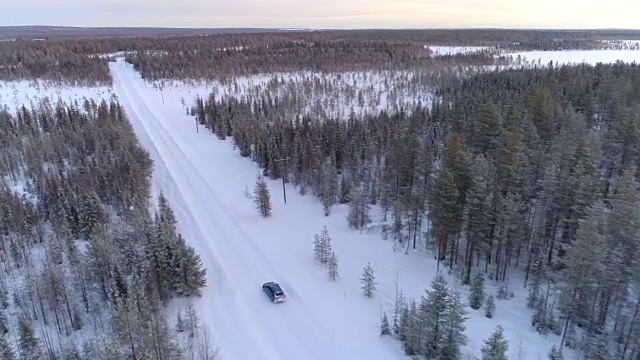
434, 308
179, 322
262, 197
329, 190
399, 305
490, 307
119, 288
585, 253
192, 321
384, 325
403, 323
476, 297
345, 190
27, 340
4, 324
596, 346
322, 246
54, 248
332, 267
368, 281
479, 215
554, 354
413, 336
496, 347
318, 248
6, 352
454, 337
190, 274
100, 254
91, 215
71, 352
446, 221
4, 295
358, 215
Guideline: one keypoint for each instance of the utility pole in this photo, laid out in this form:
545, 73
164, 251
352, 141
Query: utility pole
284, 189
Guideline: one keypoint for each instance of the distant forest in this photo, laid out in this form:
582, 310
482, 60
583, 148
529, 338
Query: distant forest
74, 58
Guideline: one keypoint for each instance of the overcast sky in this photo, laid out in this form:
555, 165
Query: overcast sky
325, 13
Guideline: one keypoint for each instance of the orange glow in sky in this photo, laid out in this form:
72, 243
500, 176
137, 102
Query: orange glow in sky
346, 14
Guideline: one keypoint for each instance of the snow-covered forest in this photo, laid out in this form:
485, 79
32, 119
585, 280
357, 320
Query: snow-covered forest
410, 160
84, 261
521, 171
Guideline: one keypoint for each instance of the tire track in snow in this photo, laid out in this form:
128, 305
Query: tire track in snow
232, 320
241, 232
180, 162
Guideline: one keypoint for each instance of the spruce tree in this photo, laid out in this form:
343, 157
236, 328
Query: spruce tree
329, 191
27, 340
398, 307
332, 267
6, 352
384, 325
434, 308
454, 337
358, 215
368, 281
345, 190
71, 352
192, 321
191, 275
446, 198
413, 336
179, 322
496, 347
262, 197
479, 214
587, 252
403, 324
490, 307
476, 297
554, 354
4, 324
91, 214
318, 248
322, 246
596, 346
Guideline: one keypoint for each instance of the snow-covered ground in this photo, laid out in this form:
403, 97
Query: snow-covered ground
206, 180
17, 93
571, 57
455, 50
325, 95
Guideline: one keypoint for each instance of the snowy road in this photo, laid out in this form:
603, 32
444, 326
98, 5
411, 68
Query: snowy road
247, 320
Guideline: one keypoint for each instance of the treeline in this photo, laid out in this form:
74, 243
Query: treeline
488, 37
61, 61
208, 59
81, 61
507, 170
86, 270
